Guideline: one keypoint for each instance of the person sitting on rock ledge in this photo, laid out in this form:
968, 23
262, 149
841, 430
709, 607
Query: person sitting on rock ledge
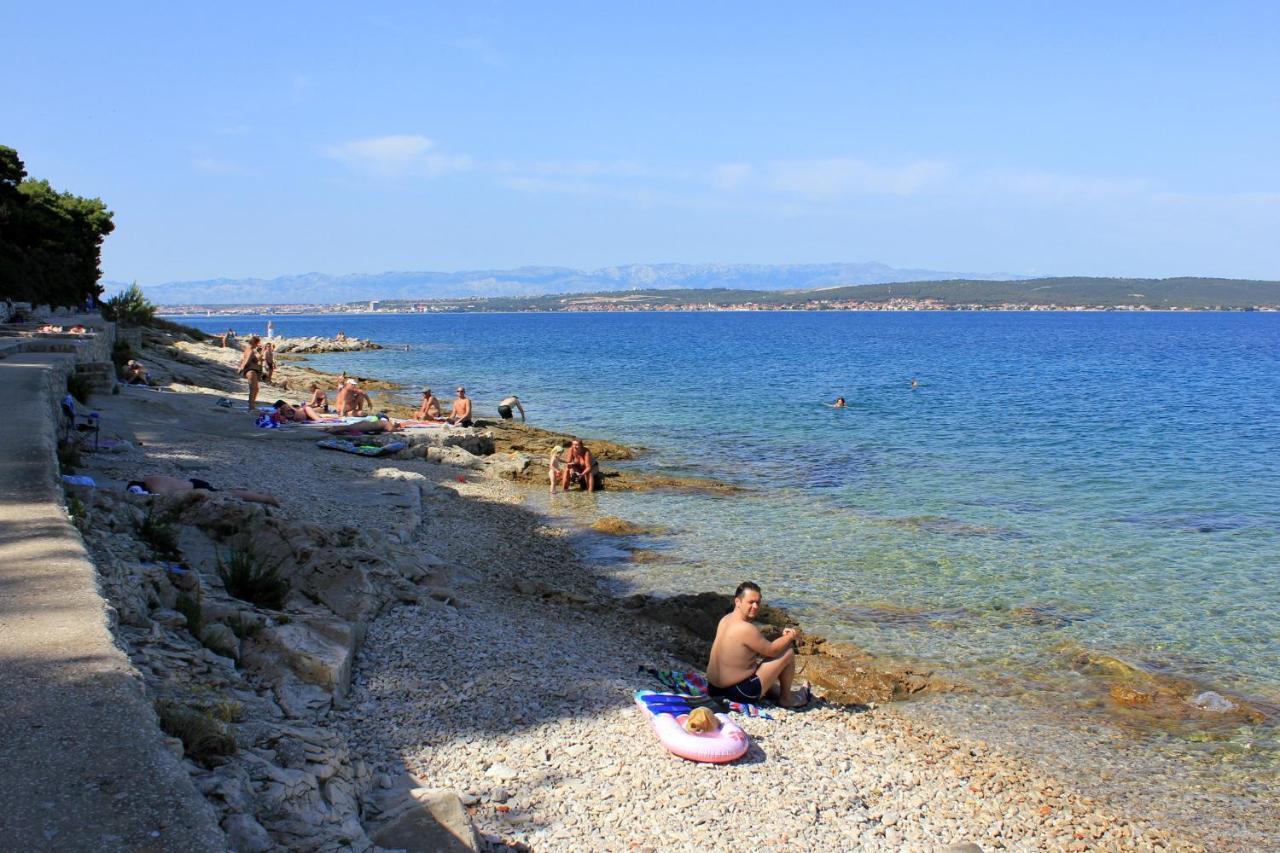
430, 408
352, 400
460, 414
744, 666
135, 374
319, 400
579, 467
158, 484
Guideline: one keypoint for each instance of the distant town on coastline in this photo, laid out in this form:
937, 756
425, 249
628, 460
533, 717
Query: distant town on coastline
1040, 294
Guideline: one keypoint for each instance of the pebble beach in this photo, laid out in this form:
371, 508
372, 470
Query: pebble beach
514, 690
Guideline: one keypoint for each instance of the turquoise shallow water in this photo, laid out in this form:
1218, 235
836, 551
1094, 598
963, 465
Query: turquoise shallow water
1058, 480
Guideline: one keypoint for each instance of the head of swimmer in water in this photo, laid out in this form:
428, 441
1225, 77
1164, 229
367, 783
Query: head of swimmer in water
746, 599
839, 402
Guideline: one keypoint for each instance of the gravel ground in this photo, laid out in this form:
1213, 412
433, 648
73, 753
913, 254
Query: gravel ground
521, 700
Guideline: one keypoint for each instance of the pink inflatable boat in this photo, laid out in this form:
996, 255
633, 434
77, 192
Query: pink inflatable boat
666, 713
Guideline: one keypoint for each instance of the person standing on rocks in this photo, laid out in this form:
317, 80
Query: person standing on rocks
460, 414
268, 361
504, 408
251, 369
744, 666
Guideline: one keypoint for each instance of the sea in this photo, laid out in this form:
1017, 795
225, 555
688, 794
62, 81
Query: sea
1006, 495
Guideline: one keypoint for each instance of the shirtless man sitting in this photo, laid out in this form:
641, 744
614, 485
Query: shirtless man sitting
460, 414
744, 666
430, 408
579, 467
352, 400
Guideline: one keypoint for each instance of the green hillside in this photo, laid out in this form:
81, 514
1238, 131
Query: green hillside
1186, 293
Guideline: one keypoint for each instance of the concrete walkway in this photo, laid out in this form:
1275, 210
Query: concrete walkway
82, 762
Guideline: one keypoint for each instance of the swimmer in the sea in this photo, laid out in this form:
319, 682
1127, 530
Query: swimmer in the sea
838, 404
915, 383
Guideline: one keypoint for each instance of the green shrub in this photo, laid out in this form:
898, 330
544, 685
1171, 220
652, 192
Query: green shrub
79, 387
121, 352
247, 578
68, 457
242, 627
191, 607
205, 740
130, 308
160, 535
75, 508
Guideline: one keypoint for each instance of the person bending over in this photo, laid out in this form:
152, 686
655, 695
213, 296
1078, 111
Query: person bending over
158, 484
135, 374
579, 467
744, 666
460, 414
430, 408
504, 408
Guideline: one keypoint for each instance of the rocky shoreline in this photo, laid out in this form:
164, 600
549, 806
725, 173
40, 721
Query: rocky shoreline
434, 649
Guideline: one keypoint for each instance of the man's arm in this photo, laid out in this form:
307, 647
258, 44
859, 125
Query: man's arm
520, 407
754, 640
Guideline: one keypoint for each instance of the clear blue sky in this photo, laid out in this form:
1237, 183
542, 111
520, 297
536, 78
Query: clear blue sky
274, 138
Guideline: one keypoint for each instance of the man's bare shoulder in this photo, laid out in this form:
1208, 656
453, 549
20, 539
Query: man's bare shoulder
734, 626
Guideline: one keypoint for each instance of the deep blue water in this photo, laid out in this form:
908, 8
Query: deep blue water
1108, 481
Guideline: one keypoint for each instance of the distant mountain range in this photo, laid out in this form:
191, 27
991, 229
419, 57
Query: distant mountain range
319, 288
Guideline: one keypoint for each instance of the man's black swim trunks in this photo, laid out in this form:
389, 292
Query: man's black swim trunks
504, 412
746, 690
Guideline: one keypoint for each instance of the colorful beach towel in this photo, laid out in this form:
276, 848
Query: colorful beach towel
693, 686
361, 449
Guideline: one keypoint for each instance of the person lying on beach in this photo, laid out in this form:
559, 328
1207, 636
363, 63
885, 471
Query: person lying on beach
368, 426
158, 484
504, 408
135, 374
77, 329
744, 666
430, 408
319, 400
295, 414
579, 467
555, 465
460, 413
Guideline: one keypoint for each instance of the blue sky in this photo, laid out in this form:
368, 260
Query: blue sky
275, 138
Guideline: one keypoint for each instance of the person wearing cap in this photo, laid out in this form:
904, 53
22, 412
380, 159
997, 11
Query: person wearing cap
504, 408
460, 414
352, 400
430, 408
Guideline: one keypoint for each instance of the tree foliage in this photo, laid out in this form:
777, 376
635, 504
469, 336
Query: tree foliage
130, 307
50, 241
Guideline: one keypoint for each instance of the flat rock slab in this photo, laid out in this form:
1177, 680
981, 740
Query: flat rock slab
435, 820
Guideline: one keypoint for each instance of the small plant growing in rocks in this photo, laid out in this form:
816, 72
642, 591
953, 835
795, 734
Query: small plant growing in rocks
191, 607
68, 457
160, 535
205, 740
242, 627
248, 578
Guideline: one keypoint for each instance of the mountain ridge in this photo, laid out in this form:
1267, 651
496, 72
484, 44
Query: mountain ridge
325, 288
